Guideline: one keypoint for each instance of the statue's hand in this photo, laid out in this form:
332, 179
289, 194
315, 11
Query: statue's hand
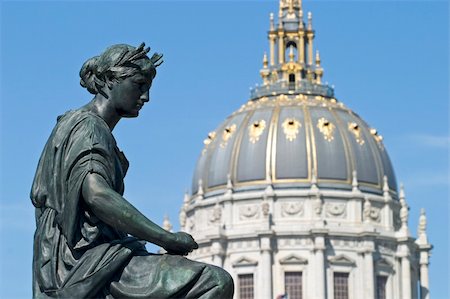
183, 244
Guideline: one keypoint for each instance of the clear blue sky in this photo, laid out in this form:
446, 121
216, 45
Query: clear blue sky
388, 60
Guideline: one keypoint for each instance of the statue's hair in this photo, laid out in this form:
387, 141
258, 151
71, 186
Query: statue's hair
116, 63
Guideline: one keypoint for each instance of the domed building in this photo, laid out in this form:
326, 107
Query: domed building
294, 193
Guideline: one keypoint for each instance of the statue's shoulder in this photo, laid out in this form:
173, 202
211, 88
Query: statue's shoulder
83, 125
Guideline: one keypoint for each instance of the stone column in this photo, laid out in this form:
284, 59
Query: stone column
406, 278
265, 270
319, 267
369, 291
310, 48
272, 50
281, 50
217, 253
424, 282
301, 47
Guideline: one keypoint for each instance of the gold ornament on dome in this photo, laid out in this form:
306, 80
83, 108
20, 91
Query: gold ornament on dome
256, 129
378, 138
208, 140
290, 128
326, 128
227, 134
356, 131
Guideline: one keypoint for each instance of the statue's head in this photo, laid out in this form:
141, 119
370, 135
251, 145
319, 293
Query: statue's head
115, 64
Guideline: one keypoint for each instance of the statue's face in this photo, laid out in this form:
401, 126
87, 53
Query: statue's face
130, 94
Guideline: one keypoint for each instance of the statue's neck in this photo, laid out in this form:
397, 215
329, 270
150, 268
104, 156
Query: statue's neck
103, 108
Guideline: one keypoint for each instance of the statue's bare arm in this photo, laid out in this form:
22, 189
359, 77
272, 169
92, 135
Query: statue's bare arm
116, 211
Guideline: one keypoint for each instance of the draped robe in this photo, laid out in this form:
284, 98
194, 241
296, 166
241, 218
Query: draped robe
78, 255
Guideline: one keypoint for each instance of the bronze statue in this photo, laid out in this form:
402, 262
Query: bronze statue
89, 240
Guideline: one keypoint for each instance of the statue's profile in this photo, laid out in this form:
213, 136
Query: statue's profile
89, 240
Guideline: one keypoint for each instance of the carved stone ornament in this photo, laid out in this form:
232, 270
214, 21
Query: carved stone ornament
249, 212
342, 260
293, 260
326, 128
375, 214
291, 127
355, 129
318, 204
366, 209
215, 214
292, 208
265, 207
256, 129
335, 209
227, 134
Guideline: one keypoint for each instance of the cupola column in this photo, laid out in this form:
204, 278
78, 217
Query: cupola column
301, 38
272, 37
301, 52
281, 50
310, 36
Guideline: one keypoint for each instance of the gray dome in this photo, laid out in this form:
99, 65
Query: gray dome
291, 141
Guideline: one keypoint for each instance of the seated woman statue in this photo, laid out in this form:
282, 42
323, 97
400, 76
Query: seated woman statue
89, 240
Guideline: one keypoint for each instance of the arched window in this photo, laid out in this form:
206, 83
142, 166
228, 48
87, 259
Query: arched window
289, 45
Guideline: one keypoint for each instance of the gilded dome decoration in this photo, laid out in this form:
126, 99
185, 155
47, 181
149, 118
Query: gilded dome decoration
227, 133
256, 129
291, 127
354, 128
326, 128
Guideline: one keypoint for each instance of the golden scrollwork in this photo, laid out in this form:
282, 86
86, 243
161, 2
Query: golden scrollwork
356, 131
290, 128
208, 140
256, 129
377, 137
227, 134
326, 128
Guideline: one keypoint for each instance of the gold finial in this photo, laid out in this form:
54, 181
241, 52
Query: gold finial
309, 20
265, 61
272, 24
317, 58
291, 53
